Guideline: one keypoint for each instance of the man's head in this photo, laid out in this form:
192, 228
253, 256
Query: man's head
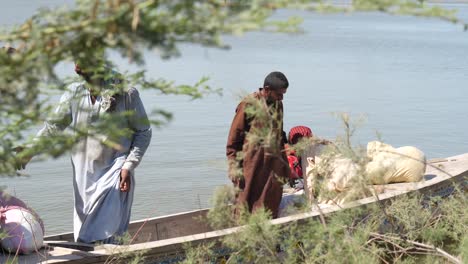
275, 86
86, 75
93, 75
9, 50
297, 133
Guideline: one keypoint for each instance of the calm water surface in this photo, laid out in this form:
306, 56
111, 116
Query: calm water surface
407, 75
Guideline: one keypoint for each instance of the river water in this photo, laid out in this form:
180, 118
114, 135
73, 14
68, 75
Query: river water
408, 76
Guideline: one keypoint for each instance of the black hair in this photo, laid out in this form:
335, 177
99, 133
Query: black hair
9, 50
276, 80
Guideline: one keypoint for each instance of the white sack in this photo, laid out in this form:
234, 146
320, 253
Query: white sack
23, 230
335, 175
392, 165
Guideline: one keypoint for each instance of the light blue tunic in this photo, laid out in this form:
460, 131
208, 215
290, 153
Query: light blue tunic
101, 210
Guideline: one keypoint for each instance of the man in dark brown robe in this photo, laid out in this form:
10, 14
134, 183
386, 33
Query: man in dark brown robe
255, 147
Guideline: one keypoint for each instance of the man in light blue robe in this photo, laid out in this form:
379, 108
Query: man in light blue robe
103, 163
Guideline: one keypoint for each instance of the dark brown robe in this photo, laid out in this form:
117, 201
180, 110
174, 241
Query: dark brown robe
264, 168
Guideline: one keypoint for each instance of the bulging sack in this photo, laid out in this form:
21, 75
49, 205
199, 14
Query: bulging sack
24, 233
340, 172
393, 165
335, 175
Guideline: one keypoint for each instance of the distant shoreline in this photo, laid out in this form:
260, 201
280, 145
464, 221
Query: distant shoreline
427, 1
447, 2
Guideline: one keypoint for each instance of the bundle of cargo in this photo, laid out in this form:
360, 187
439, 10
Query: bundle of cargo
339, 179
22, 228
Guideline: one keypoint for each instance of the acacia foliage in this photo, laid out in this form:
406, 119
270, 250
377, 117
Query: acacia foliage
411, 229
86, 32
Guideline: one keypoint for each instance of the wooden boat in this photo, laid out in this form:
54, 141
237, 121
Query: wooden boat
161, 239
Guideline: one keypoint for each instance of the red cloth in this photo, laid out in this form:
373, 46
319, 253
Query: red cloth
295, 166
294, 163
295, 134
299, 132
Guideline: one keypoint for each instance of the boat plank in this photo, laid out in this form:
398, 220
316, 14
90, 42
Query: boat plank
171, 226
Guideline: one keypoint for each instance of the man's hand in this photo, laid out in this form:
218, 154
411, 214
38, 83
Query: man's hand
233, 171
125, 180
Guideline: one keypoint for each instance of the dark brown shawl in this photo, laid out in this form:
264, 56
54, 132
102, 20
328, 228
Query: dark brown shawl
264, 167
